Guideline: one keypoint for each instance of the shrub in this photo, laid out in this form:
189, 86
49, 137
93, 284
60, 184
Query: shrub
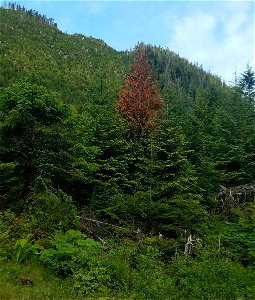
25, 249
210, 277
70, 251
50, 211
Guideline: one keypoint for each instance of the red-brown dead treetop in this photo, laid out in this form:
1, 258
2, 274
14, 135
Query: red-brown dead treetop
140, 101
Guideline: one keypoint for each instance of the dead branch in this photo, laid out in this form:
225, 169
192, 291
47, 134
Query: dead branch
233, 197
100, 222
190, 245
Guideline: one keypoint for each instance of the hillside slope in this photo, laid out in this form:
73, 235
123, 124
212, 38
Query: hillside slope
74, 65
82, 67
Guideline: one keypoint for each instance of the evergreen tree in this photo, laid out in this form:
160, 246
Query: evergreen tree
110, 179
247, 83
164, 182
233, 143
33, 139
166, 189
140, 101
198, 127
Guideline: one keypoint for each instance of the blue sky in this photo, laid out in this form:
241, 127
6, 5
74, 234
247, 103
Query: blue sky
217, 34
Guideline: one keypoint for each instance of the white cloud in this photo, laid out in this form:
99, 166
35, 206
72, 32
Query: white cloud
189, 29
220, 37
93, 7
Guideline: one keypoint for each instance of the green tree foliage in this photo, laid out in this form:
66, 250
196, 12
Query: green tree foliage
247, 83
104, 135
34, 140
220, 131
234, 140
166, 184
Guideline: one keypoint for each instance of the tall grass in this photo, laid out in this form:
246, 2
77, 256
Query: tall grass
32, 281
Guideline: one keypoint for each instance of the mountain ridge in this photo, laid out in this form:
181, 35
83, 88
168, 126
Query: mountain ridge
80, 55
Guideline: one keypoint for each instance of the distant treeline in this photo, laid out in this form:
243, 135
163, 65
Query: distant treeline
31, 12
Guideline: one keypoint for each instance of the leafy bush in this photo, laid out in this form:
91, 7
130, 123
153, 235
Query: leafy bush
25, 249
136, 270
50, 211
70, 251
210, 277
93, 280
151, 280
120, 262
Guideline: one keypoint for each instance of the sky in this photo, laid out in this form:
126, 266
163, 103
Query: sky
219, 35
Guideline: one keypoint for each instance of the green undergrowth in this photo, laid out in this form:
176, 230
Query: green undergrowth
126, 274
73, 266
68, 264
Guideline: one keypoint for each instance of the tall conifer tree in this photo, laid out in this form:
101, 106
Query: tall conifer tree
140, 101
247, 83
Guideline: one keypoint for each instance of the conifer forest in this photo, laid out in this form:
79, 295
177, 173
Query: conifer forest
123, 174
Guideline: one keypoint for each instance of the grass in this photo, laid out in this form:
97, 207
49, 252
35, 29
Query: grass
32, 281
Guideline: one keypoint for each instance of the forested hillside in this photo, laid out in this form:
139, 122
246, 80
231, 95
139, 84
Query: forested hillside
127, 175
